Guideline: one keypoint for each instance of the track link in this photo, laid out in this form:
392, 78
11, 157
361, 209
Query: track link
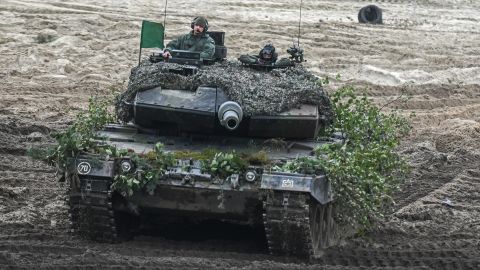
287, 224
91, 214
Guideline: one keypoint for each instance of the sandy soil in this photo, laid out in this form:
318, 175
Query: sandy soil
427, 49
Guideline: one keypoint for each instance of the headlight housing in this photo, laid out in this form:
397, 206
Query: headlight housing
126, 165
250, 176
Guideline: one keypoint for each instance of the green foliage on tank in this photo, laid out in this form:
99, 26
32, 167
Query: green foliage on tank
365, 168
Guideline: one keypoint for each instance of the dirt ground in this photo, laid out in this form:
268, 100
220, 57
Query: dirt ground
56, 54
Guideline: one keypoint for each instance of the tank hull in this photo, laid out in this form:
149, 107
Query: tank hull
282, 203
243, 207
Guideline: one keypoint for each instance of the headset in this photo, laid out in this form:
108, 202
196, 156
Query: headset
268, 49
205, 29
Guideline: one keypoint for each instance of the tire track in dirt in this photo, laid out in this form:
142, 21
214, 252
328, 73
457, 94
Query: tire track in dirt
97, 43
411, 258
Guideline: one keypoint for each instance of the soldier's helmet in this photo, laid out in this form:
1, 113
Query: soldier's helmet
200, 21
268, 53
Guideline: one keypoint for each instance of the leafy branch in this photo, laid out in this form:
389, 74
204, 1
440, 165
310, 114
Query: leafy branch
364, 167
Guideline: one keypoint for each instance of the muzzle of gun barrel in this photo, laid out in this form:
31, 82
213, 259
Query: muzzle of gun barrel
230, 115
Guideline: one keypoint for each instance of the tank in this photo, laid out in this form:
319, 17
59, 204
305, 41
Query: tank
295, 209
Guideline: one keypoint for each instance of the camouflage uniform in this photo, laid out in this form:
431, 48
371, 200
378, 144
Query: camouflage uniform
260, 58
203, 44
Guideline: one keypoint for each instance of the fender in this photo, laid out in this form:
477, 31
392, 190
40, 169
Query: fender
317, 185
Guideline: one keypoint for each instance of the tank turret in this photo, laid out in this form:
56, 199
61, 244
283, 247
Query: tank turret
208, 110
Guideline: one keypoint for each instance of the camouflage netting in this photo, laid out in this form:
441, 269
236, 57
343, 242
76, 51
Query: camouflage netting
258, 92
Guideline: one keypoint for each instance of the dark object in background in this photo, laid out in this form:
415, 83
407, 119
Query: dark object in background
370, 14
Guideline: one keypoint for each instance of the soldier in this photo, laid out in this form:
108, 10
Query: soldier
266, 56
196, 41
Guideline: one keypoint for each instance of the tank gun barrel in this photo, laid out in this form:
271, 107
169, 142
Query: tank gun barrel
230, 120
230, 115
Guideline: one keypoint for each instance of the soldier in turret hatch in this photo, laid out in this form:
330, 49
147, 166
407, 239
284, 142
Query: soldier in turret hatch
196, 41
266, 56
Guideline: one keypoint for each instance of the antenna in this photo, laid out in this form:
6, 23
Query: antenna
299, 24
296, 53
165, 20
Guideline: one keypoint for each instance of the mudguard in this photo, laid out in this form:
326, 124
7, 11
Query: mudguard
318, 186
94, 168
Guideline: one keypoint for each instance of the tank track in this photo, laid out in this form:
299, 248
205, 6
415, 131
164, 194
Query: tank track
297, 225
92, 215
287, 224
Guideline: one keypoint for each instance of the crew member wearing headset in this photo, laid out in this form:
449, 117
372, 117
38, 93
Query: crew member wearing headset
196, 41
266, 57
